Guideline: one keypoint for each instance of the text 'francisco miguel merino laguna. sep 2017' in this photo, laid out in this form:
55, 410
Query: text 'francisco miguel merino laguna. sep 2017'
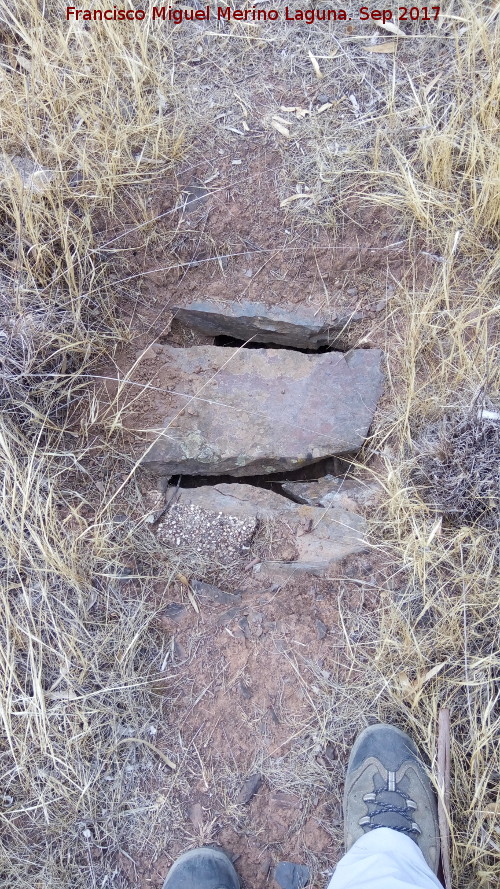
252, 14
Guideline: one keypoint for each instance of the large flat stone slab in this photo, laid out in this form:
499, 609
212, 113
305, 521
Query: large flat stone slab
252, 411
228, 521
301, 328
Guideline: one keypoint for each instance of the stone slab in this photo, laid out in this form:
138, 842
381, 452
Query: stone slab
305, 538
350, 493
253, 411
300, 328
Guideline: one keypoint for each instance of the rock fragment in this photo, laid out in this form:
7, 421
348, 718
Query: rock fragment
155, 504
174, 611
291, 537
196, 815
27, 172
349, 493
252, 784
199, 532
209, 591
292, 876
321, 629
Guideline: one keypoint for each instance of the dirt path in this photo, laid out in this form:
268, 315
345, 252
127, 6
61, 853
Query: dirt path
259, 685
342, 168
254, 683
258, 704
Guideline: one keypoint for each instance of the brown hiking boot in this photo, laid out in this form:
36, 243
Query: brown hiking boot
387, 786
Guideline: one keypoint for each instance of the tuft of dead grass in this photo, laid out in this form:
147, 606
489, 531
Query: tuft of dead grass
81, 668
457, 470
437, 643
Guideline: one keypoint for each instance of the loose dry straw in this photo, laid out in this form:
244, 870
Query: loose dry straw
166, 759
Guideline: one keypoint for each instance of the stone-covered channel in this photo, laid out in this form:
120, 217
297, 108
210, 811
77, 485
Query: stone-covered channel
255, 433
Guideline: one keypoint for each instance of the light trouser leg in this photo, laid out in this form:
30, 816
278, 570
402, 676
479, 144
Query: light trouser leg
384, 859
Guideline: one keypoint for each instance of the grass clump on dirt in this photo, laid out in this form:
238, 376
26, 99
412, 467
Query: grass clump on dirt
458, 472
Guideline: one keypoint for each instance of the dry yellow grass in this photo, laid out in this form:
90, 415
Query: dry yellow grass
78, 654
78, 658
439, 645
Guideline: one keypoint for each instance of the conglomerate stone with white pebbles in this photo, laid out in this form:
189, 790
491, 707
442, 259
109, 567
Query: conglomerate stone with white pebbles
190, 528
219, 522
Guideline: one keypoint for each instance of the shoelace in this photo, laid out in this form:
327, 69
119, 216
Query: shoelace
393, 796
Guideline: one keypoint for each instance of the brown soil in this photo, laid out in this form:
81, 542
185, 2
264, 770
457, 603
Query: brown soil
247, 673
231, 246
253, 677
